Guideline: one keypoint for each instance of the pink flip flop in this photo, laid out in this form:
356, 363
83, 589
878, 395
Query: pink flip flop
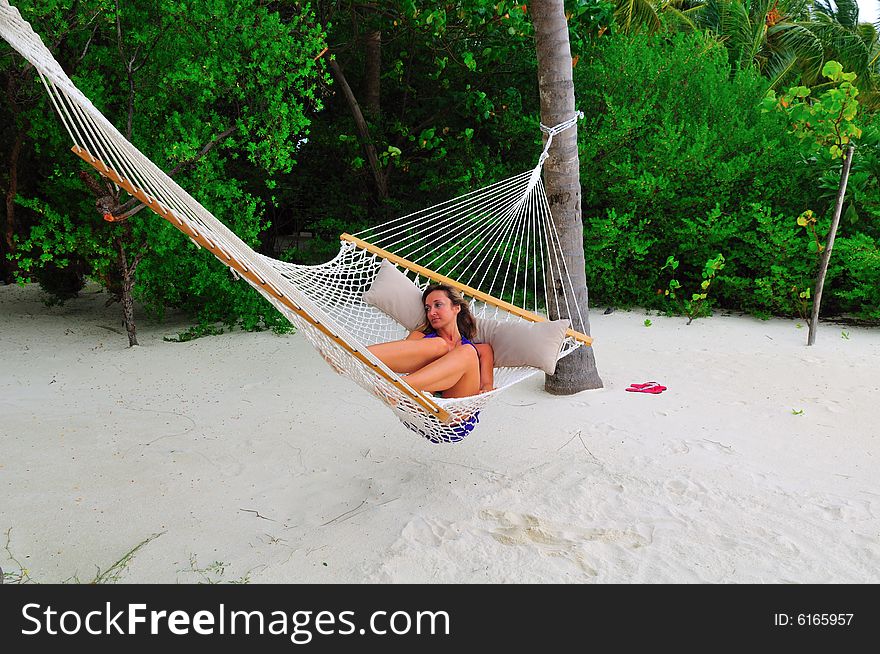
648, 387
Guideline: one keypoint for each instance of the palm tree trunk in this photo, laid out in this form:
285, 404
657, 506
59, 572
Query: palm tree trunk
577, 371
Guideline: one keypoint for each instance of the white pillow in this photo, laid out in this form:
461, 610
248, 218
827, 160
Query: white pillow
521, 343
395, 294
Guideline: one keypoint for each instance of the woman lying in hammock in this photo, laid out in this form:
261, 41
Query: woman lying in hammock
439, 356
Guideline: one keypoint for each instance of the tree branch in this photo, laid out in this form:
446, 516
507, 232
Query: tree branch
142, 250
134, 206
128, 73
363, 131
205, 150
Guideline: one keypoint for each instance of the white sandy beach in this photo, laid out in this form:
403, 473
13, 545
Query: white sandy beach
247, 449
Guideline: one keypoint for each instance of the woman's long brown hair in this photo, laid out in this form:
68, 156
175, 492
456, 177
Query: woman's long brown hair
467, 324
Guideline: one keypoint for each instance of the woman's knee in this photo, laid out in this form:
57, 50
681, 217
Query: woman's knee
467, 354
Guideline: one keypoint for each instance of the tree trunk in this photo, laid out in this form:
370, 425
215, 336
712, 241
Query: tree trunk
577, 371
372, 70
7, 247
826, 255
127, 299
6, 265
363, 131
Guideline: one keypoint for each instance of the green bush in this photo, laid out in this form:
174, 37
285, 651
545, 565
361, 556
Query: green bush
678, 160
857, 260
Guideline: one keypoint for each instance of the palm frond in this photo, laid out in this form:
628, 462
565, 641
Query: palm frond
847, 13
794, 40
781, 70
680, 18
823, 7
634, 15
868, 33
844, 45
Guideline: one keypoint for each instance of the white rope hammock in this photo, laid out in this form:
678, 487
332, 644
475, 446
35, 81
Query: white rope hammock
497, 244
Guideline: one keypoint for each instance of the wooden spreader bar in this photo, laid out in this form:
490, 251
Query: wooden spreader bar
200, 240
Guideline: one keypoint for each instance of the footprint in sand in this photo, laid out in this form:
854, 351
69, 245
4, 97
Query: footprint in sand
605, 429
676, 447
608, 488
685, 488
841, 510
431, 533
556, 539
677, 486
713, 446
832, 406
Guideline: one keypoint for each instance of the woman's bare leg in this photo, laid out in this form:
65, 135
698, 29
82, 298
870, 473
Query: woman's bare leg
409, 355
457, 374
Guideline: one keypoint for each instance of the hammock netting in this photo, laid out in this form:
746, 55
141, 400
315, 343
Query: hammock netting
499, 239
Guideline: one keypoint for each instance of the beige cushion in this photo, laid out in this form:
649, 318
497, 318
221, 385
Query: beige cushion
395, 294
521, 343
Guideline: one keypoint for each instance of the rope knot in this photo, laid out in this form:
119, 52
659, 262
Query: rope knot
564, 125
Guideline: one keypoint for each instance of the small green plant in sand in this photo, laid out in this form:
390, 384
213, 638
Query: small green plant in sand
844, 335
22, 575
213, 572
797, 412
697, 305
802, 302
648, 322
111, 575
114, 572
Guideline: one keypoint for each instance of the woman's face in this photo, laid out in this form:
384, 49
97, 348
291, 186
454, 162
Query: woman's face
439, 310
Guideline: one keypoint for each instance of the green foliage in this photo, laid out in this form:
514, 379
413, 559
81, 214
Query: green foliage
697, 304
618, 247
858, 269
823, 124
589, 20
676, 156
245, 69
458, 110
787, 41
808, 221
803, 302
52, 251
769, 263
